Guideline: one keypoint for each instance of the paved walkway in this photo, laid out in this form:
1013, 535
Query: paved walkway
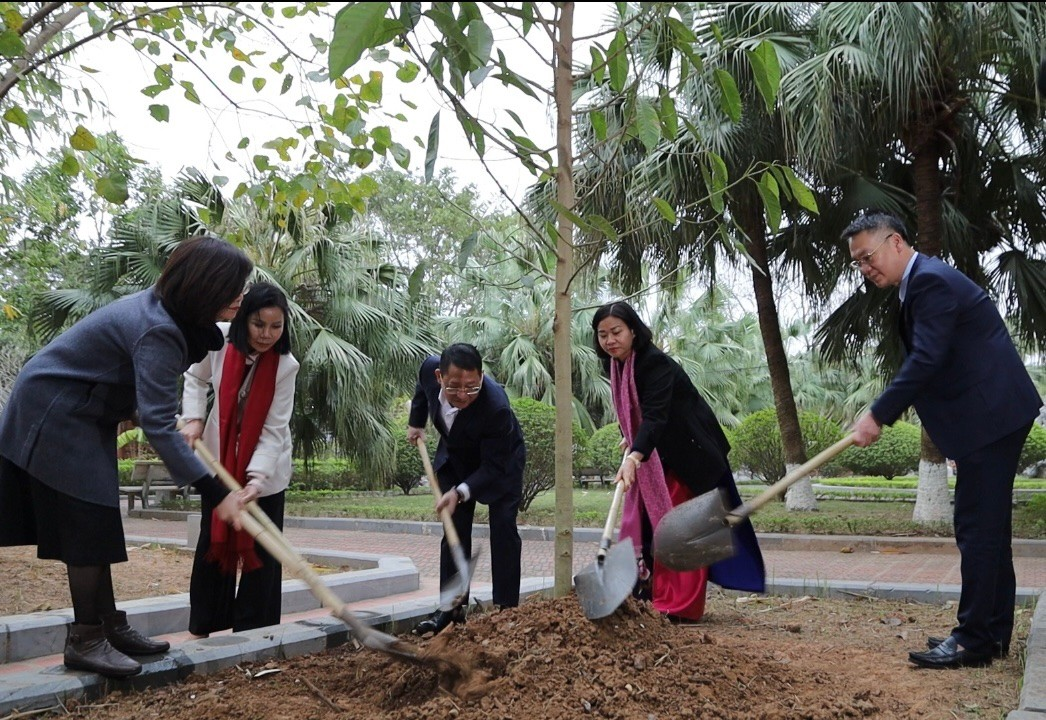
815, 560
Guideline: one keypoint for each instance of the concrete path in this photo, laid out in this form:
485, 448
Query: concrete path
918, 568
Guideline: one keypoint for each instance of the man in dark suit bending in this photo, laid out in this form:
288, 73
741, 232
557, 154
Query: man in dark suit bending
480, 458
973, 395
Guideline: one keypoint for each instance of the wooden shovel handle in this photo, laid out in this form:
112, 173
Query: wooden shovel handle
449, 530
746, 509
261, 527
608, 529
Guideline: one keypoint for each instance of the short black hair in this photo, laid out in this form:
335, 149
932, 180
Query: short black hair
261, 295
627, 314
201, 277
460, 355
875, 220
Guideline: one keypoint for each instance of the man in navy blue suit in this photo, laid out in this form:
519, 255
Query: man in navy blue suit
480, 458
973, 395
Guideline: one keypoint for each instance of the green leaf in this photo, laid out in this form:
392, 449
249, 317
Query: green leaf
480, 41
82, 139
465, 252
371, 90
766, 69
258, 83
288, 80
617, 61
244, 142
730, 99
648, 125
599, 64
17, 116
161, 113
771, 195
802, 194
407, 72
236, 74
113, 187
416, 282
669, 117
70, 165
665, 209
11, 44
598, 119
261, 162
432, 148
358, 27
717, 181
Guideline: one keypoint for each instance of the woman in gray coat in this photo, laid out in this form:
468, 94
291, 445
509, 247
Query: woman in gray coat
59, 488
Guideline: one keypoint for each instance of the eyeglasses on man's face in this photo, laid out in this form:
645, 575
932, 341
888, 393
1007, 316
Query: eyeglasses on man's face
466, 391
866, 260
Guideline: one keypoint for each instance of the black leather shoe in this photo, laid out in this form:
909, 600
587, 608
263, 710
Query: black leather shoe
87, 649
129, 641
948, 655
1001, 649
438, 620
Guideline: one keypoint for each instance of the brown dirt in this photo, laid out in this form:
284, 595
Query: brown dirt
751, 657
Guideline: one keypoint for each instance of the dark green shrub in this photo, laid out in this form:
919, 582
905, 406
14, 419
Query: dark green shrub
603, 452
1034, 451
409, 469
325, 474
896, 452
757, 442
538, 422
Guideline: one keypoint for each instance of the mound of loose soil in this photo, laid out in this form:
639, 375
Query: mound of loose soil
750, 658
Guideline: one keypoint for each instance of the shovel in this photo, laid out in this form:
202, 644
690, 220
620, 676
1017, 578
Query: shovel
699, 532
603, 586
458, 586
261, 528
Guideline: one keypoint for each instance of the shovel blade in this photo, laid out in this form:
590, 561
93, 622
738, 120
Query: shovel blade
603, 586
457, 588
694, 533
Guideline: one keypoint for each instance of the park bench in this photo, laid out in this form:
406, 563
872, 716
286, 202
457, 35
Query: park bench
590, 476
151, 478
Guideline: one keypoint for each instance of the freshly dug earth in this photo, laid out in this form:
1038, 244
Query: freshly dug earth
751, 657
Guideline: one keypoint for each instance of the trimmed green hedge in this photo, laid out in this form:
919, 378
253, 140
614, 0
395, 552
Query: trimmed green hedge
757, 442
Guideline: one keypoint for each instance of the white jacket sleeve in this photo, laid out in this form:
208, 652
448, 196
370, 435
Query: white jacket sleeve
194, 388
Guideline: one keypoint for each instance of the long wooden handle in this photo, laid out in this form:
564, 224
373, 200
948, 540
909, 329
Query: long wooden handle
264, 530
449, 530
746, 509
608, 529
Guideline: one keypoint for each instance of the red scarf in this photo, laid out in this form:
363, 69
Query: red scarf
237, 439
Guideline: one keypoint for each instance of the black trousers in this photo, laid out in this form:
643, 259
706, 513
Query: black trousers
983, 533
215, 602
506, 547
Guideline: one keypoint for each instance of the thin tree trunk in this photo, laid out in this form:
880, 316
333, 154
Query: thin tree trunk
930, 506
932, 498
801, 495
564, 88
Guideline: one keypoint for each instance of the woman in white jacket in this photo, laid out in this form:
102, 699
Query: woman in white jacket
248, 429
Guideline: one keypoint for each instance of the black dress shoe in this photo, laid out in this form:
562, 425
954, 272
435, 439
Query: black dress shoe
1001, 649
948, 655
127, 640
438, 620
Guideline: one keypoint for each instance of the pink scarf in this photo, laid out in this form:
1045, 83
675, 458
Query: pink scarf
649, 493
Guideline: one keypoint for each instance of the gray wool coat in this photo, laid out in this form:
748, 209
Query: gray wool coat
61, 418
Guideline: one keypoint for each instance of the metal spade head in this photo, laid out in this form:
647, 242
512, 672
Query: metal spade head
694, 533
457, 588
603, 586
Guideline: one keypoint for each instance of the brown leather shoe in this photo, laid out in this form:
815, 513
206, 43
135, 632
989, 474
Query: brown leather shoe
87, 649
127, 640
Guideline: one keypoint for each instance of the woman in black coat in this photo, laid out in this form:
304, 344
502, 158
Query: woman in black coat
676, 451
59, 487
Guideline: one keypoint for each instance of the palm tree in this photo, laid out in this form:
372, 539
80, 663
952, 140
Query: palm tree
356, 332
748, 141
934, 103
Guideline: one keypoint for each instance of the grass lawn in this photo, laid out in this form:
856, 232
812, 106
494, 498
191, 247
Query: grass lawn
833, 516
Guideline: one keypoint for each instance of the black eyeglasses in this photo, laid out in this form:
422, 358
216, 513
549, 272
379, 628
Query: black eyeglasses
867, 259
